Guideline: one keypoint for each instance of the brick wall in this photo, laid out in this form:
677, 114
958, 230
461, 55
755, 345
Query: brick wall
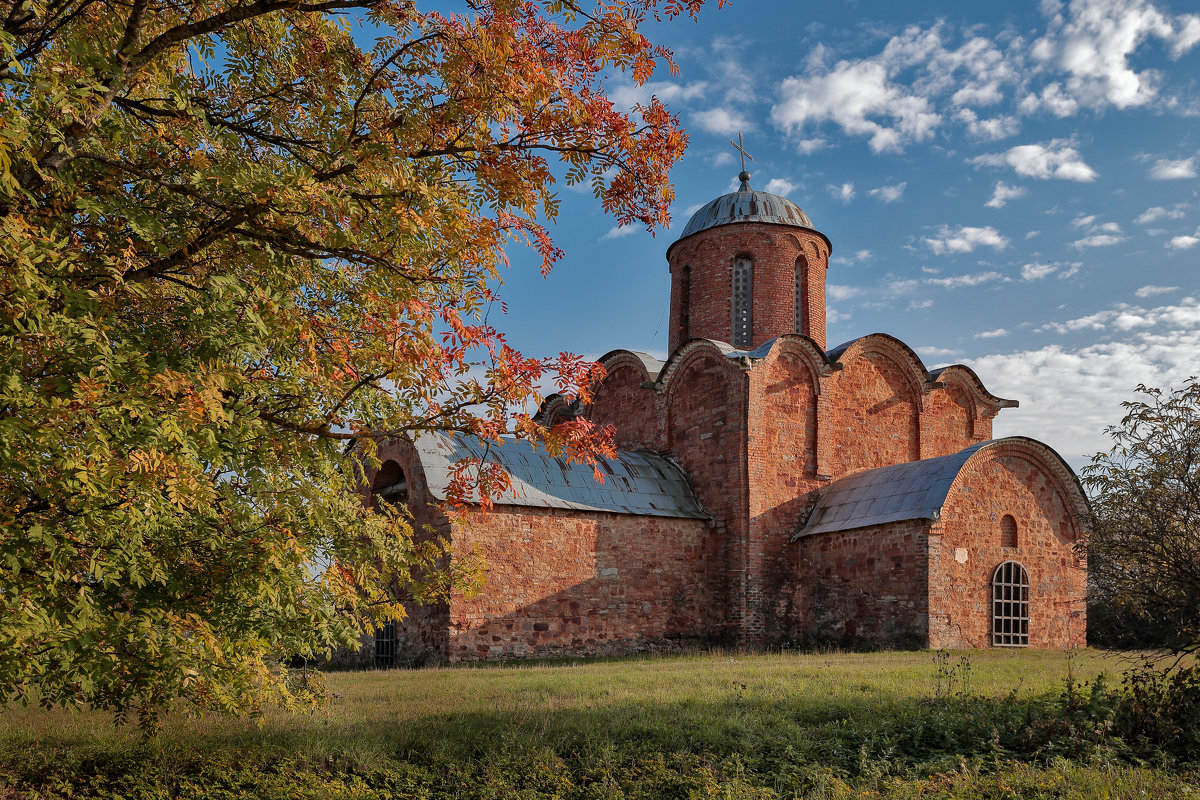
583, 583
782, 426
859, 587
965, 550
706, 435
947, 424
621, 401
775, 250
870, 414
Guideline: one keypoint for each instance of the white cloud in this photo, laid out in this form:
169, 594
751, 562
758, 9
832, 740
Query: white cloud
990, 129
809, 146
920, 305
1003, 193
937, 352
860, 98
1125, 317
1035, 271
995, 334
1070, 395
1054, 159
1164, 170
965, 239
889, 194
620, 232
854, 258
972, 279
1184, 242
839, 293
1150, 290
780, 186
722, 121
1093, 45
628, 95
843, 193
1099, 240
1106, 234
1155, 213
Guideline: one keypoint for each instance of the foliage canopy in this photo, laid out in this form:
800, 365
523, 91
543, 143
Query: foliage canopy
1144, 545
233, 239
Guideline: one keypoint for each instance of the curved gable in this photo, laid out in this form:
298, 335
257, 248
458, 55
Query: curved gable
920, 489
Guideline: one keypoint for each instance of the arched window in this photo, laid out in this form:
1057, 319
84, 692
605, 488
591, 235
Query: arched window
385, 645
1008, 531
801, 293
685, 302
743, 302
389, 484
1010, 606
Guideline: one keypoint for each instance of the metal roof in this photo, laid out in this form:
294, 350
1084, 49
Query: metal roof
913, 490
746, 205
634, 483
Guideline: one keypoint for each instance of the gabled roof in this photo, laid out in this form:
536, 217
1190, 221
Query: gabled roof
912, 490
634, 483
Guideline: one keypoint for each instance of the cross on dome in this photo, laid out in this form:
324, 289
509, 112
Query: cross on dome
743, 176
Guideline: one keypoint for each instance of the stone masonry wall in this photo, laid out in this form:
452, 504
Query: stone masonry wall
706, 435
966, 548
621, 401
583, 583
420, 637
782, 426
870, 416
859, 587
775, 251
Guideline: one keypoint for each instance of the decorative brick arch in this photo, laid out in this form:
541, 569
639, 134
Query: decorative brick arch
896, 351
625, 399
691, 349
804, 349
1043, 457
965, 377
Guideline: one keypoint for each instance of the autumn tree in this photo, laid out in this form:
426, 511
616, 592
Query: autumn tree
1144, 545
234, 239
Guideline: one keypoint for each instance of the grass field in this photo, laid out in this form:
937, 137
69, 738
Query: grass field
719, 725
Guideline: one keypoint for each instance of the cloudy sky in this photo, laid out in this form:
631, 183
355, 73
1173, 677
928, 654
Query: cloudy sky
1008, 186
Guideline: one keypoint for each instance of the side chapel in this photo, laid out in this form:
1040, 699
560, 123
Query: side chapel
767, 489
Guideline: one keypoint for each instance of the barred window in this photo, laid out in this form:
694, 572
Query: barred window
385, 645
1008, 531
743, 301
801, 292
1010, 606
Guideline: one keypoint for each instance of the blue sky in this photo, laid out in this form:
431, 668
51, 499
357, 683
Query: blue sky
1008, 186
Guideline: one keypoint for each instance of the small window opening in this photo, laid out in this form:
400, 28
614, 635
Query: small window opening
1010, 606
385, 645
1008, 531
743, 295
389, 484
801, 293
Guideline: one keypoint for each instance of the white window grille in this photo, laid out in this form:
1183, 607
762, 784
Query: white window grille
1010, 606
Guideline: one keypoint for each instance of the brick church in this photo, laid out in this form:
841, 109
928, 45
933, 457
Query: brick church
768, 489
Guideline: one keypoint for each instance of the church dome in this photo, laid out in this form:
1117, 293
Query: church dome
747, 205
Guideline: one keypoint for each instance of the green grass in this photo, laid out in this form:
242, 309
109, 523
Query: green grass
836, 725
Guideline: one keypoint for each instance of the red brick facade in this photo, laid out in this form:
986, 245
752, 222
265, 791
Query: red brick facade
759, 436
